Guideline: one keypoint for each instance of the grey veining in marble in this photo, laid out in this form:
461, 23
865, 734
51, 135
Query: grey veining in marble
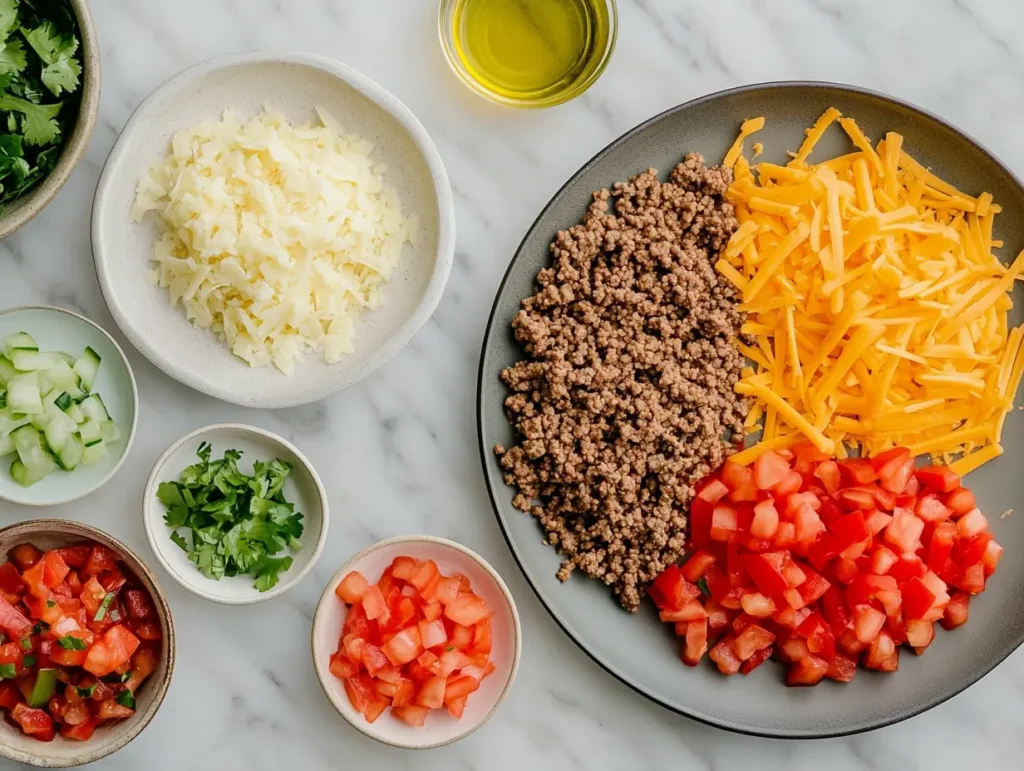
398, 453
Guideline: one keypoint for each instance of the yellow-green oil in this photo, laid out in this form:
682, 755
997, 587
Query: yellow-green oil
527, 51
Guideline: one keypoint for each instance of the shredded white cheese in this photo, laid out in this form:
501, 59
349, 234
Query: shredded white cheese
275, 237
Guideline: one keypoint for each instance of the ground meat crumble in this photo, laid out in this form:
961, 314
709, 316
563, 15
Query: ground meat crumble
626, 397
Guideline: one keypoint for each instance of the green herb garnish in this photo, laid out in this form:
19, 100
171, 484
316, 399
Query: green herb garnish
50, 603
39, 627
28, 661
40, 73
230, 523
703, 586
26, 644
126, 699
101, 611
113, 677
7, 671
70, 643
85, 693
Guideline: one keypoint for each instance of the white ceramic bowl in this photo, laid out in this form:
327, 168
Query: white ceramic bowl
440, 728
293, 83
56, 329
302, 488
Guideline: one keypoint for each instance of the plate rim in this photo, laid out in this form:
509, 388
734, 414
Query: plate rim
486, 453
386, 101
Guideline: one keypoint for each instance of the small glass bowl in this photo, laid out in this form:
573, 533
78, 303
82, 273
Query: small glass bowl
448, 45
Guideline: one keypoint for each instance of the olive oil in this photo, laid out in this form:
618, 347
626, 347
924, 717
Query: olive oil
533, 52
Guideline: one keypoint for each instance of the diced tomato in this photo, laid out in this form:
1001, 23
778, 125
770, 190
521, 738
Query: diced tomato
895, 469
740, 481
724, 656
360, 691
100, 559
32, 721
867, 622
766, 572
352, 588
808, 526
34, 579
752, 639
462, 637
696, 642
426, 577
956, 612
404, 646
696, 566
670, 591
971, 524
724, 521
137, 604
482, 636
456, 707
842, 668
11, 582
432, 633
467, 610
755, 604
770, 468
341, 667
920, 635
112, 710
81, 731
405, 568
373, 603
113, 649
904, 532
849, 530
939, 478
766, 520
817, 632
856, 471
990, 559
917, 599
54, 569
691, 611
960, 500
828, 472
431, 693
410, 715
756, 660
24, 556
12, 621
375, 709
373, 659
808, 671
877, 521
882, 653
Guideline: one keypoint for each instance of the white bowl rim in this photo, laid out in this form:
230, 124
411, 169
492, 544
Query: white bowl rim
444, 256
328, 595
135, 410
149, 515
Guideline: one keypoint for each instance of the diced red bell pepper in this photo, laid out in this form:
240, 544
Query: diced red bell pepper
696, 566
670, 591
722, 654
917, 599
756, 660
765, 570
12, 621
939, 478
54, 569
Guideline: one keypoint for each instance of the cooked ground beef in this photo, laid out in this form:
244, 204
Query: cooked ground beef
626, 397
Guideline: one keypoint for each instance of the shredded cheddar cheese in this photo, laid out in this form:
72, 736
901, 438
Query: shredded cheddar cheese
876, 306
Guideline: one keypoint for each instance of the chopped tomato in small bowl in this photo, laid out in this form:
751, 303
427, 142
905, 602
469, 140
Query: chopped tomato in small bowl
824, 564
416, 641
84, 642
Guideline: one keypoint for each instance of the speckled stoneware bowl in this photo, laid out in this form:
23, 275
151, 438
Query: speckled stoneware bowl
294, 83
302, 487
639, 650
440, 728
21, 211
110, 737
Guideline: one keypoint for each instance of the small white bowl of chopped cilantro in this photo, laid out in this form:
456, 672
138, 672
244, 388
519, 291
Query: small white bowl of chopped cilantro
49, 101
235, 514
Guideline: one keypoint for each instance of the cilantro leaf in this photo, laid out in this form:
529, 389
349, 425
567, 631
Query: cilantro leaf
86, 693
126, 698
12, 56
8, 17
236, 522
38, 123
70, 643
267, 570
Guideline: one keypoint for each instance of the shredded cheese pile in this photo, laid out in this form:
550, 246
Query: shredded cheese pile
877, 305
275, 237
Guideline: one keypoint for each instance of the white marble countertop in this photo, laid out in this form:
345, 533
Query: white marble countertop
399, 454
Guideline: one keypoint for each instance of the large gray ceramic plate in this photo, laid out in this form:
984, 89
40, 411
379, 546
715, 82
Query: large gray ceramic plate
637, 649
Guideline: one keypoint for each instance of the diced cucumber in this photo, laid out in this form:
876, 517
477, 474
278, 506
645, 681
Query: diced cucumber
23, 394
87, 366
59, 430
26, 476
3, 400
110, 432
7, 370
64, 402
22, 341
75, 412
30, 361
91, 431
28, 443
9, 422
70, 455
94, 453
94, 409
6, 445
63, 377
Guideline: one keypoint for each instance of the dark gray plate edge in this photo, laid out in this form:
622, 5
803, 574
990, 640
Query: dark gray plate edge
486, 453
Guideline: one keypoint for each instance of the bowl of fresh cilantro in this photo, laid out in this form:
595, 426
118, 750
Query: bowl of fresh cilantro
49, 100
235, 514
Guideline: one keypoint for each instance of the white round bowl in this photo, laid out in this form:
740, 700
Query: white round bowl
293, 83
57, 329
440, 728
302, 488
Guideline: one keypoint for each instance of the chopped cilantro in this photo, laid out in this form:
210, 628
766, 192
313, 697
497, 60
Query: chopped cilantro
40, 78
50, 603
26, 644
39, 627
101, 611
703, 586
230, 523
85, 693
70, 643
28, 661
126, 698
